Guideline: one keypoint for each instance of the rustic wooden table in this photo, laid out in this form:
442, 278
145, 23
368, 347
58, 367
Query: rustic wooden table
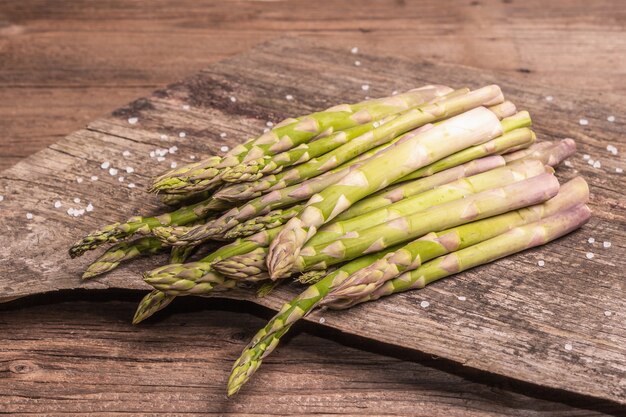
63, 66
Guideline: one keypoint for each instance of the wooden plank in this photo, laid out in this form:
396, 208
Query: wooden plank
163, 368
517, 319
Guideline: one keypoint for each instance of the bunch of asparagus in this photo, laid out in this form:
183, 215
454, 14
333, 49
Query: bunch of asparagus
358, 201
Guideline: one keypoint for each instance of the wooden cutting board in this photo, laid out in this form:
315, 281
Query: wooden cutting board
560, 325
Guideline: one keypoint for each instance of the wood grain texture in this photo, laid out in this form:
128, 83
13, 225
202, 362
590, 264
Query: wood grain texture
62, 65
165, 368
517, 318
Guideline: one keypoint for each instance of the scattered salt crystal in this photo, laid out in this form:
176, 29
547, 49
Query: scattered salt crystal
130, 170
322, 320
606, 244
224, 148
105, 165
568, 346
113, 171
29, 216
394, 92
541, 263
367, 97
608, 313
461, 298
131, 185
77, 200
126, 154
376, 124
152, 154
354, 50
611, 119
163, 137
57, 204
185, 106
568, 164
549, 98
80, 212
121, 179
182, 135
79, 180
192, 157
223, 135
586, 157
591, 240
89, 207
289, 97
173, 149
173, 165
424, 304
1, 198
365, 87
132, 120
160, 159
589, 255
233, 99
161, 152
357, 63
269, 124
70, 211
597, 164
619, 170
266, 130
583, 122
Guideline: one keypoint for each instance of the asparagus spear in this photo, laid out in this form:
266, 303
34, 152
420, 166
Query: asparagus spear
521, 153
150, 304
123, 252
253, 263
513, 241
571, 194
470, 128
143, 225
180, 254
379, 135
552, 155
270, 220
290, 133
475, 207
254, 169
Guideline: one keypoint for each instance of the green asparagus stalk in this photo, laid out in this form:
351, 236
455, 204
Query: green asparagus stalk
468, 129
123, 252
143, 225
291, 133
254, 169
571, 194
150, 304
380, 134
513, 241
552, 155
180, 254
477, 206
270, 220
253, 263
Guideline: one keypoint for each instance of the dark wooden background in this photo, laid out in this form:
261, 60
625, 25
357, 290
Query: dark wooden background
63, 64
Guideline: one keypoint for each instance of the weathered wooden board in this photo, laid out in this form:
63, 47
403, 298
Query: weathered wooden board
559, 326
164, 368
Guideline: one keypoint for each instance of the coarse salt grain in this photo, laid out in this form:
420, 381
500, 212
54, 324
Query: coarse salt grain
89, 207
105, 165
357, 63
541, 263
269, 124
461, 298
126, 154
70, 211
365, 87
322, 320
131, 185
591, 240
130, 170
57, 204
1, 198
160, 159
424, 304
583, 122
113, 171
79, 180
223, 135
375, 124
597, 164
121, 179
173, 149
289, 97
224, 148
182, 135
568, 346
589, 255
185, 106
549, 98
619, 170
133, 120
266, 130
77, 200
192, 157
606, 244
608, 313
163, 137
152, 154
586, 157
354, 50
173, 165
568, 164
29, 216
591, 161
233, 99
611, 119
394, 92
94, 178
